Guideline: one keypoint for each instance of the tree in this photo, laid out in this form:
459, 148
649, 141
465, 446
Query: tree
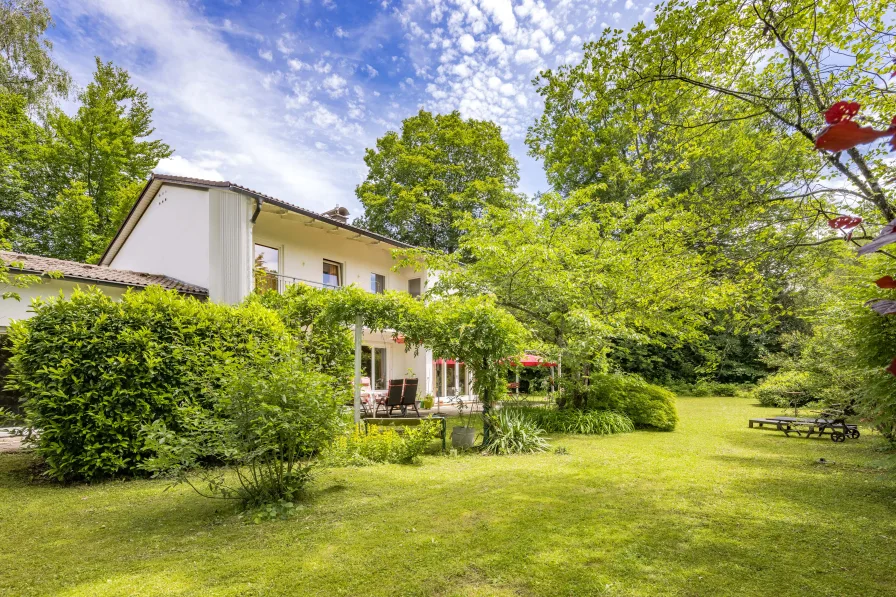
423, 181
714, 111
23, 173
710, 77
104, 147
26, 68
584, 275
73, 224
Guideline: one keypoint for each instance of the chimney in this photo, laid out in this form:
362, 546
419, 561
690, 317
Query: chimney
340, 214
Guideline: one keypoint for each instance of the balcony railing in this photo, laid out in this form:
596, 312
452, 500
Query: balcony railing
265, 280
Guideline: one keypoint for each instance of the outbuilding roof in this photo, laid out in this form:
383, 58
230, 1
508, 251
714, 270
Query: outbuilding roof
35, 264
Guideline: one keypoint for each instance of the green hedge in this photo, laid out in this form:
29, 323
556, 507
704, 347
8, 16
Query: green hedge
647, 405
92, 372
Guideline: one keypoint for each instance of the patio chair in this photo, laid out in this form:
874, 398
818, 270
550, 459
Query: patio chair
365, 396
408, 397
392, 399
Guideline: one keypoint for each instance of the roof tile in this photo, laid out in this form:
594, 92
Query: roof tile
95, 273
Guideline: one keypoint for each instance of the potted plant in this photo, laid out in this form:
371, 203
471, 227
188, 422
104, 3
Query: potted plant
463, 436
428, 401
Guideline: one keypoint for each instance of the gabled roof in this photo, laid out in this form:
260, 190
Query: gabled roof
72, 270
157, 180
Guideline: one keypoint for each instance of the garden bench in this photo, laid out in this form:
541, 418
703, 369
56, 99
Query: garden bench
838, 429
409, 422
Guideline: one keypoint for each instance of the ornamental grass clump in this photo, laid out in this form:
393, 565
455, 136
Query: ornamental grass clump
513, 433
571, 420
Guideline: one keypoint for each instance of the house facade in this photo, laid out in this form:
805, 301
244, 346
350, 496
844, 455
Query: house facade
218, 236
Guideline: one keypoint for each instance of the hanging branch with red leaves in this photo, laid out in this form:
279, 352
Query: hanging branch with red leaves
844, 133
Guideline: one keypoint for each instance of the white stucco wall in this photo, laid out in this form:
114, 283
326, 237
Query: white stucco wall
11, 309
171, 238
303, 249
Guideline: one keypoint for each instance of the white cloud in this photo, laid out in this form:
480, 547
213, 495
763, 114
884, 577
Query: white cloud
495, 45
501, 12
340, 32
266, 54
467, 43
297, 65
284, 44
181, 166
335, 85
371, 72
461, 70
526, 56
629, 4
189, 59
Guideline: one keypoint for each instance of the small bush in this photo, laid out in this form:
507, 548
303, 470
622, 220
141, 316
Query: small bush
381, 445
645, 404
571, 420
93, 372
268, 422
513, 433
785, 389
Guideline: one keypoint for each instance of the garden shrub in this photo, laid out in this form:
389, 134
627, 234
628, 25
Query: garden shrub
513, 433
381, 445
92, 372
706, 388
645, 404
572, 420
786, 389
268, 422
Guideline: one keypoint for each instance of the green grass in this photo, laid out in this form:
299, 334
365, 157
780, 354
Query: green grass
711, 509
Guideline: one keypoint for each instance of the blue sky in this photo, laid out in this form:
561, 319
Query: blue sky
283, 96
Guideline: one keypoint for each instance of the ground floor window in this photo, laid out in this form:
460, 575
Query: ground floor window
374, 366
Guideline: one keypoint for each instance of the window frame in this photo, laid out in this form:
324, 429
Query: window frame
340, 273
420, 291
373, 281
279, 273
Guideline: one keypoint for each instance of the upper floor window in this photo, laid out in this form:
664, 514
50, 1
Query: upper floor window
332, 274
377, 283
414, 287
267, 268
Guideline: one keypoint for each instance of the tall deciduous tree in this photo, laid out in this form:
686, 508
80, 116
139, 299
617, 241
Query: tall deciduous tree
26, 68
422, 181
104, 147
708, 79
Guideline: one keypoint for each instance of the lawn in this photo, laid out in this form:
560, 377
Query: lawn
711, 509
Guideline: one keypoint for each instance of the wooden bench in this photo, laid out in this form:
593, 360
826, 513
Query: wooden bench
408, 422
836, 428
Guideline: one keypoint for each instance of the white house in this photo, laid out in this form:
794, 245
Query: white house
205, 238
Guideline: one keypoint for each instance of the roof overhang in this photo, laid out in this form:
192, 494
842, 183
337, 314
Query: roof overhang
265, 203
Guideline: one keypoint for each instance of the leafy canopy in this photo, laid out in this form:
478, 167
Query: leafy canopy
102, 153
422, 181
